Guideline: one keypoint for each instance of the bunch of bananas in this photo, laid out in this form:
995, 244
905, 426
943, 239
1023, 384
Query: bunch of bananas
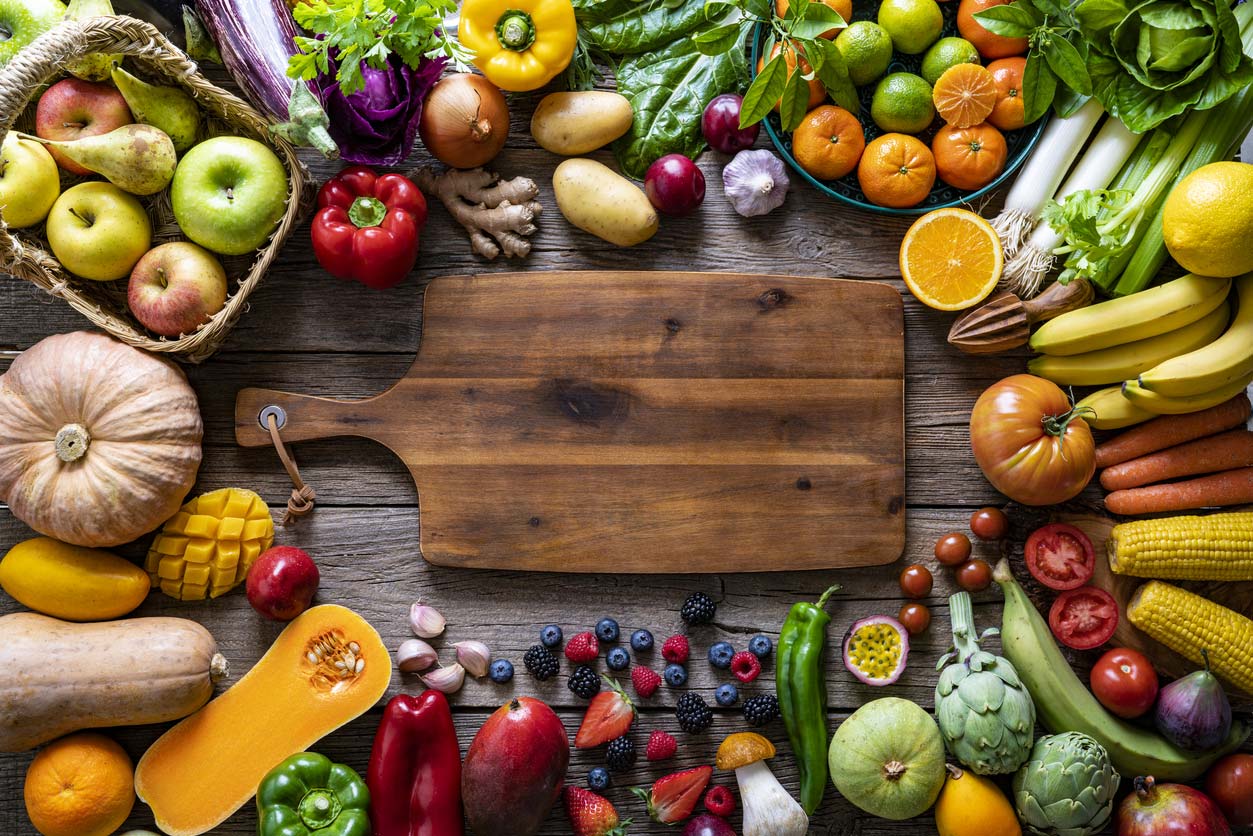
1175, 348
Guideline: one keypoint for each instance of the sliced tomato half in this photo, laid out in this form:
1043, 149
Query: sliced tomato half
1084, 618
1060, 556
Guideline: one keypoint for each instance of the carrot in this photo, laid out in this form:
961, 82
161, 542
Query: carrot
1205, 455
1169, 430
1231, 487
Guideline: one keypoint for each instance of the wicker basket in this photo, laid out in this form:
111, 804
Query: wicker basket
24, 253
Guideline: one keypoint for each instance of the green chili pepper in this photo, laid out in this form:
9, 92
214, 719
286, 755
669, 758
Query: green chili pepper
307, 795
802, 693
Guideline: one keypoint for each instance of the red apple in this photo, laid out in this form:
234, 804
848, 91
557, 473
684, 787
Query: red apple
72, 109
282, 582
1169, 810
175, 287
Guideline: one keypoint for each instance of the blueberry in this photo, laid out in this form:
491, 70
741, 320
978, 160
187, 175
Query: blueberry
501, 671
618, 659
550, 636
607, 630
726, 695
641, 640
720, 654
760, 646
598, 778
675, 675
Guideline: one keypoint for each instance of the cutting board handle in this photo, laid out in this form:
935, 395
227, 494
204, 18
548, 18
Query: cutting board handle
300, 417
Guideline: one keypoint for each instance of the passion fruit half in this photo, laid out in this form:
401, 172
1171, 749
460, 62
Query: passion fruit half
876, 650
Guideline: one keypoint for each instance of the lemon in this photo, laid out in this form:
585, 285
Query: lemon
867, 50
902, 104
913, 24
945, 53
1207, 222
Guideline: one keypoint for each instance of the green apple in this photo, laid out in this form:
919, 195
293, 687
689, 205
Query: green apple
30, 182
229, 193
98, 231
21, 21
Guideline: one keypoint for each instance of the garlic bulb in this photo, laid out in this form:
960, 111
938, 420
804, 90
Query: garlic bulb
448, 680
425, 620
474, 657
414, 656
755, 182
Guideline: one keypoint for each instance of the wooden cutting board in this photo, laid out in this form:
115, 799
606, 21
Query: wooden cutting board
642, 422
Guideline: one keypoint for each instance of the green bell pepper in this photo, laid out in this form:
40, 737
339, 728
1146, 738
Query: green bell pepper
307, 795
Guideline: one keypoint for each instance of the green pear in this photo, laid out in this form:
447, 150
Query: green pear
94, 66
168, 108
139, 159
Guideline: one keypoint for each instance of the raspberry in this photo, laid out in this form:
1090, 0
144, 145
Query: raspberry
582, 648
745, 666
675, 650
646, 681
660, 746
719, 801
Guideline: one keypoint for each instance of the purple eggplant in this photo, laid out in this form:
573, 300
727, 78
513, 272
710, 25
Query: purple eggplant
707, 824
1193, 712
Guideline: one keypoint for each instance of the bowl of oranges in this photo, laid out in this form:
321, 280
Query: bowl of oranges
941, 117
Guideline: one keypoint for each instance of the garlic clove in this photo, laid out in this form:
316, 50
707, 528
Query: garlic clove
474, 656
414, 656
447, 680
426, 621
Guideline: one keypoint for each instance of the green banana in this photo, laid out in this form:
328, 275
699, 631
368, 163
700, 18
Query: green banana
1228, 358
1159, 404
1111, 411
1158, 310
1064, 704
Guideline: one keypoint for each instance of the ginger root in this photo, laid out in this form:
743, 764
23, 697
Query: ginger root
498, 214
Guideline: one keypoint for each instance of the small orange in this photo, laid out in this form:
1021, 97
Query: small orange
80, 785
951, 259
964, 95
896, 170
844, 8
1008, 114
829, 142
989, 45
969, 158
816, 91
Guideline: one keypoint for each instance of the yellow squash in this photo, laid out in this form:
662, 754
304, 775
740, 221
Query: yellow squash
73, 583
970, 805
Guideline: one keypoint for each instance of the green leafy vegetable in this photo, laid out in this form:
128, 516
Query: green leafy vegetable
1058, 55
628, 27
1082, 219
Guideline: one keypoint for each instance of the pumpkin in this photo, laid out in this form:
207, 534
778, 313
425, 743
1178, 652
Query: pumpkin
971, 805
72, 582
327, 667
99, 442
61, 677
80, 785
888, 759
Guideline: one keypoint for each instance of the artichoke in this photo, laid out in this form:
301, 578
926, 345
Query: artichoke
985, 714
1067, 787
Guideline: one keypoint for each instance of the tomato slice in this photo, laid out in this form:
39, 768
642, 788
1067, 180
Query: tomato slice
1060, 556
1084, 618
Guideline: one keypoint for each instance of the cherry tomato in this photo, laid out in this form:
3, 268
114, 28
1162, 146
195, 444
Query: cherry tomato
974, 575
1230, 783
916, 618
1029, 443
916, 581
1125, 682
1084, 618
1060, 556
989, 524
953, 549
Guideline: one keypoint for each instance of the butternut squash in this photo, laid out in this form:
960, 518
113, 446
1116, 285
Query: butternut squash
326, 668
72, 582
60, 677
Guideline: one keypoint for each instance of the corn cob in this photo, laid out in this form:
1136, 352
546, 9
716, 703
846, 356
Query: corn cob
1187, 624
1218, 547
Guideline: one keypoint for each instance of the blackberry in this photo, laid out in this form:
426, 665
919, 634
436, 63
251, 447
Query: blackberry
675, 676
726, 695
693, 713
541, 662
618, 659
760, 646
720, 654
584, 682
607, 630
550, 636
620, 754
598, 778
699, 608
761, 709
501, 671
641, 640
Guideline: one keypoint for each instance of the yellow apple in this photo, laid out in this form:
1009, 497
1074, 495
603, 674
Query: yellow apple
30, 182
98, 231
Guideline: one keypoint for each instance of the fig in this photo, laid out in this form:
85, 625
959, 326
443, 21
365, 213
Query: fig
282, 582
1169, 810
1193, 712
707, 824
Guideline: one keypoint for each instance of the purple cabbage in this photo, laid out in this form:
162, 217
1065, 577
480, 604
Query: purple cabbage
377, 125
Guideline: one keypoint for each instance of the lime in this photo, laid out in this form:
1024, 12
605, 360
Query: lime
945, 53
913, 24
867, 49
902, 104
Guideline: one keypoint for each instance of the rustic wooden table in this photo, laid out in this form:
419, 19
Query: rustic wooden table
307, 332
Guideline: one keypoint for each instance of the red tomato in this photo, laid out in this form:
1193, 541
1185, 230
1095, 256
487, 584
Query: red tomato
989, 524
974, 575
1125, 682
1084, 618
915, 618
916, 581
1060, 556
1029, 443
953, 549
1230, 783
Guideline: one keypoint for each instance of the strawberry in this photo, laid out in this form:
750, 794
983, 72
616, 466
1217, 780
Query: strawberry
645, 680
674, 797
583, 648
675, 650
608, 717
591, 814
661, 746
745, 666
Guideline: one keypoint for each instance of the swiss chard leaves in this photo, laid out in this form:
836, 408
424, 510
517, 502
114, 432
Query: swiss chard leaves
629, 27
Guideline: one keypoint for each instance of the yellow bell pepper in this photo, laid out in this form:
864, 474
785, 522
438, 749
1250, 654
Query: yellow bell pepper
519, 45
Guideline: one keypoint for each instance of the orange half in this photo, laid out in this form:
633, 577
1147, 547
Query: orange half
951, 259
965, 95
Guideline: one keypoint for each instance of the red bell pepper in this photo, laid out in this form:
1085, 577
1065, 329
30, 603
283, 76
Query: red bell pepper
367, 226
415, 769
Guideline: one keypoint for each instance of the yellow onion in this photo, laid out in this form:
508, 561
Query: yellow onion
465, 121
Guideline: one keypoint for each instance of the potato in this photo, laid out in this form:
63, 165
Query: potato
598, 200
576, 123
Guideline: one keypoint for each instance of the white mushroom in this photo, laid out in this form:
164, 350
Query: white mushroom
768, 808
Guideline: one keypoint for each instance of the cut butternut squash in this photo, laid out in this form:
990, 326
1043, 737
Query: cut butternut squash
325, 669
